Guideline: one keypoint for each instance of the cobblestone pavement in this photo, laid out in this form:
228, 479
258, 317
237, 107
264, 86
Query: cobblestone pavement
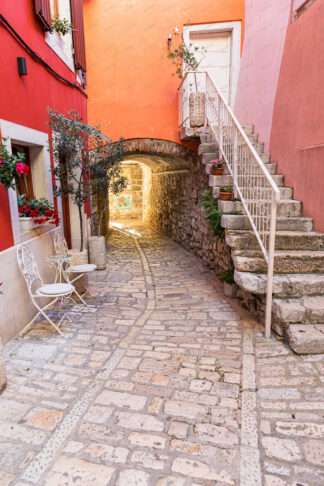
154, 384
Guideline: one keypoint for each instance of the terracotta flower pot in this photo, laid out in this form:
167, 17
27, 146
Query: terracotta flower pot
217, 170
226, 196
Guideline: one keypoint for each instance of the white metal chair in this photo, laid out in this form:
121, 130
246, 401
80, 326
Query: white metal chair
61, 248
57, 291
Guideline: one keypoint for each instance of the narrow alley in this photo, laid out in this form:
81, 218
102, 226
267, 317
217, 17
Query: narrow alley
154, 383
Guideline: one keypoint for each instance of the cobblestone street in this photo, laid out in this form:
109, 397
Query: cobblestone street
160, 380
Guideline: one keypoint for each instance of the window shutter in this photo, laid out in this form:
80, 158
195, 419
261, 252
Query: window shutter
43, 12
78, 34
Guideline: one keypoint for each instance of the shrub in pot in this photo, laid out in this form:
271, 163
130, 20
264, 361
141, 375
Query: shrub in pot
226, 193
227, 277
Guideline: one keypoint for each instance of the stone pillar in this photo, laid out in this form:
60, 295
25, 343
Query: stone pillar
97, 251
3, 375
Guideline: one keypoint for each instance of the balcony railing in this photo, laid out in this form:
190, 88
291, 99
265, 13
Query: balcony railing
202, 104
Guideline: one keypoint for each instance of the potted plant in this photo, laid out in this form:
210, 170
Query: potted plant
226, 193
227, 277
184, 58
11, 167
217, 166
35, 212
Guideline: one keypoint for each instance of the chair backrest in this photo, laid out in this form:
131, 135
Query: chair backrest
60, 245
28, 266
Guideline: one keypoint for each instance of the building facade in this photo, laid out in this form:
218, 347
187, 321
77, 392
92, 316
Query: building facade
55, 78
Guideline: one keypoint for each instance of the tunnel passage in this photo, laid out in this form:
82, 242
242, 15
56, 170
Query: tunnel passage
165, 185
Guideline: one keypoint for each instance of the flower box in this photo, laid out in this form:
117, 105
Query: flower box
27, 224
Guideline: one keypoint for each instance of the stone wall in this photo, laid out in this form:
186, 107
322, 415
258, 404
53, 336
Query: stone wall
174, 212
134, 174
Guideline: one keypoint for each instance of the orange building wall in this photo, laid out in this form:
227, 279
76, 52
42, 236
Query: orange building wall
131, 89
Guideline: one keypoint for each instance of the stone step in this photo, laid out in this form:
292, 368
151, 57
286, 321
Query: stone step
306, 310
285, 240
286, 261
259, 147
306, 338
207, 157
241, 222
289, 208
271, 168
265, 157
253, 137
207, 148
248, 129
284, 285
230, 206
188, 133
223, 180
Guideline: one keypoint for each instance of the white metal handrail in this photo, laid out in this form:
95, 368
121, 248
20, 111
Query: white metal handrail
252, 182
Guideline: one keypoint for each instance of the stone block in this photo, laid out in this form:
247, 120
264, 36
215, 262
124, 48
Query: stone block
306, 338
3, 374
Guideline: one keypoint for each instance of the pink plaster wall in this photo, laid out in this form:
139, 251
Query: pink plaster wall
297, 137
265, 29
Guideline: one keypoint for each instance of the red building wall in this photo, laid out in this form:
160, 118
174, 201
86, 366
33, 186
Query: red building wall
297, 136
24, 100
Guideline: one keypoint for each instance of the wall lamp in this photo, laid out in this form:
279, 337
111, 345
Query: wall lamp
169, 40
22, 66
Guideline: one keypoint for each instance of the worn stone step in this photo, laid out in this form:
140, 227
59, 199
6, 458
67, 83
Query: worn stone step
265, 157
230, 206
306, 310
306, 338
271, 168
188, 133
259, 147
285, 192
284, 285
286, 261
207, 157
285, 240
207, 148
223, 180
248, 129
289, 208
253, 137
241, 222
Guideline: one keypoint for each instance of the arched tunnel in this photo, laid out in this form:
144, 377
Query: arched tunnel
165, 182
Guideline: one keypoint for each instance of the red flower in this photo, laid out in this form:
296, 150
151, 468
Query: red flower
22, 168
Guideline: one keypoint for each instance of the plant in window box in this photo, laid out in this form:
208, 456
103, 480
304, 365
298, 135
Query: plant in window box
11, 167
34, 212
61, 26
217, 166
226, 193
184, 58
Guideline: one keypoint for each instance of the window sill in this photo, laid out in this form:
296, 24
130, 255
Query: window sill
56, 43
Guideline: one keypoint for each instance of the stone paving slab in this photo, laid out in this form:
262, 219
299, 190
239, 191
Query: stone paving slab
160, 380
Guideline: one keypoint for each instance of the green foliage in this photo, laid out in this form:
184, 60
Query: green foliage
228, 276
226, 189
61, 26
86, 163
11, 166
213, 214
184, 58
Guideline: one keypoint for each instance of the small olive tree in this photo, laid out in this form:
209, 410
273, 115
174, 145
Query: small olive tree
105, 178
82, 165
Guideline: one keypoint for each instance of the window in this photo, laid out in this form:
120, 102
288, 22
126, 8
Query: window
61, 45
24, 183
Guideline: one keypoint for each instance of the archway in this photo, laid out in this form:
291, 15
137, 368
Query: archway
148, 162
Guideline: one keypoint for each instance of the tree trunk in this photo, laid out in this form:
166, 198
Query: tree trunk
81, 227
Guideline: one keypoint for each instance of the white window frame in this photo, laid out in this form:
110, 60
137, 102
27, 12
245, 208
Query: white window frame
57, 43
15, 133
235, 29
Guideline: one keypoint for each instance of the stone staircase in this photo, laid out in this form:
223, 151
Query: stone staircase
298, 292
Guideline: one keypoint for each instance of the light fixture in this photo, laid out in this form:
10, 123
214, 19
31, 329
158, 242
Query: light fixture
169, 40
22, 66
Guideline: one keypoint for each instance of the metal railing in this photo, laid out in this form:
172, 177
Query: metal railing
253, 184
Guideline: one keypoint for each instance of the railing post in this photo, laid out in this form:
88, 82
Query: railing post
234, 167
272, 237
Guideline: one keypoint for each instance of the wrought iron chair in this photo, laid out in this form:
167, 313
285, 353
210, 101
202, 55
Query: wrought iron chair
57, 291
61, 248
